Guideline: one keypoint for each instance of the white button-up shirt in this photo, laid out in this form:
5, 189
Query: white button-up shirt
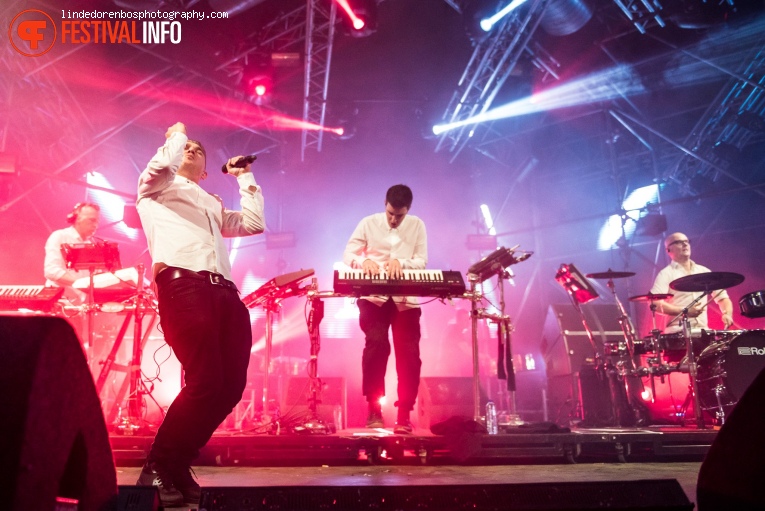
374, 239
184, 224
55, 270
674, 271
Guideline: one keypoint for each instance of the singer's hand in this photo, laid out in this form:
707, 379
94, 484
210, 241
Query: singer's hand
237, 171
178, 127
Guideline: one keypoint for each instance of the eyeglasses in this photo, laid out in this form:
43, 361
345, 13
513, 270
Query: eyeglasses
680, 242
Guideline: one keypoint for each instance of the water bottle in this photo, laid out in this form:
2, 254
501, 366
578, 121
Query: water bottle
337, 415
491, 418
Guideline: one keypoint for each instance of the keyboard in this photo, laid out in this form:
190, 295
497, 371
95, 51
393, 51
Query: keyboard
414, 283
29, 297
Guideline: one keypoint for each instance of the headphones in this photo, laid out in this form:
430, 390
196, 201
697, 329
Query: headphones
72, 216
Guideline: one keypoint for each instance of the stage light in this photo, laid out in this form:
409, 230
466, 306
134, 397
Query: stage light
258, 80
360, 16
112, 207
623, 226
619, 81
487, 219
488, 23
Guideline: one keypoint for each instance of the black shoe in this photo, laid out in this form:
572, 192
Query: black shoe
403, 427
375, 419
183, 477
154, 474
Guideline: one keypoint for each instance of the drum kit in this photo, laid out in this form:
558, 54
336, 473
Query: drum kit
720, 364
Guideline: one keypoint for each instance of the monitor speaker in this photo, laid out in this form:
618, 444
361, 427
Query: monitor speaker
53, 438
442, 397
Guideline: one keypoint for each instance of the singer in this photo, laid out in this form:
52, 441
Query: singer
201, 314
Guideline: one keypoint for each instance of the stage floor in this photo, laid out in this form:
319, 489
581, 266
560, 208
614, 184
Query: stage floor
363, 457
398, 475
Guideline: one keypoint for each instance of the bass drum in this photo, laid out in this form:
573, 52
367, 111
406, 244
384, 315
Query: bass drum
726, 369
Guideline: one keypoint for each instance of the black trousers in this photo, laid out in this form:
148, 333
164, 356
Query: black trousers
208, 327
375, 321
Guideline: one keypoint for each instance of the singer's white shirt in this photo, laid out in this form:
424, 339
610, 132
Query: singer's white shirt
185, 225
674, 271
374, 239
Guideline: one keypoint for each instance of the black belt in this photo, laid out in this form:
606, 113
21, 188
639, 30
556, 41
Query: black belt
172, 273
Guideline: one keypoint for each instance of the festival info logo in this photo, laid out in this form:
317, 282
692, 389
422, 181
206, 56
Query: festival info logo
32, 33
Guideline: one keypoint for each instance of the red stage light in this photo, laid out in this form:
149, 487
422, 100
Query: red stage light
260, 89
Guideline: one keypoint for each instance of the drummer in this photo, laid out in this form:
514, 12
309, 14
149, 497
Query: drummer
679, 249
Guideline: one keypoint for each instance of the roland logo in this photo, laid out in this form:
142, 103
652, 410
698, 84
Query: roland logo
751, 350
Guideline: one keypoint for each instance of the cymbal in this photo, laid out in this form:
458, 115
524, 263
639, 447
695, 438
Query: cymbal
611, 274
650, 297
707, 281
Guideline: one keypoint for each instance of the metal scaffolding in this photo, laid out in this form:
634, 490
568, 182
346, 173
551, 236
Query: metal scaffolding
489, 67
320, 34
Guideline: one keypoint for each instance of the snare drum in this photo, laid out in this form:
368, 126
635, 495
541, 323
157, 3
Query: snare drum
727, 368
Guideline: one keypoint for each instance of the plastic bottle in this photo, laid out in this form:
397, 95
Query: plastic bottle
337, 415
491, 418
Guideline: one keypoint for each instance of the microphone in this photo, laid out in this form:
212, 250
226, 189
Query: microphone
240, 163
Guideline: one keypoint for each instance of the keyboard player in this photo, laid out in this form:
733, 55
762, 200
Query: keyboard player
390, 241
84, 219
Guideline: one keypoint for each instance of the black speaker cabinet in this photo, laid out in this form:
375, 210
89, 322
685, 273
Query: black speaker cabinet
333, 394
567, 349
441, 397
53, 439
732, 473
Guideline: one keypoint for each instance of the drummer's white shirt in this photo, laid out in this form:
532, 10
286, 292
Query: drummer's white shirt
674, 271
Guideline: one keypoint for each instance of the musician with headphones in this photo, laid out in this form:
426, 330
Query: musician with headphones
84, 219
679, 249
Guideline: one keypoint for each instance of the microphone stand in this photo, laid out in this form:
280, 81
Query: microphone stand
314, 424
474, 313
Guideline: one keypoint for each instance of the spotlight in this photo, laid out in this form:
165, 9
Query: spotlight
488, 23
360, 17
258, 81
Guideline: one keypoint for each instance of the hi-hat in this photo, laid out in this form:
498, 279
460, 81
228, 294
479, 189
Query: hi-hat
610, 274
650, 297
707, 281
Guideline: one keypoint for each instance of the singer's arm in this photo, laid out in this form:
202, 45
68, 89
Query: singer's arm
250, 220
160, 171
